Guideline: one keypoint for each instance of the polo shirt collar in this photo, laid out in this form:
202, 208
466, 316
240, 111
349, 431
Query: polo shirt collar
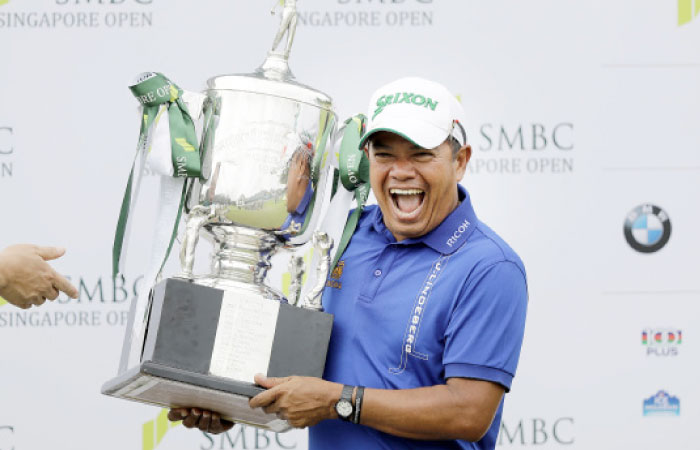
450, 235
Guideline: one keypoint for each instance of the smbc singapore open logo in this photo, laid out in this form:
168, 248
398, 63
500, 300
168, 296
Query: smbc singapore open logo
6, 150
647, 228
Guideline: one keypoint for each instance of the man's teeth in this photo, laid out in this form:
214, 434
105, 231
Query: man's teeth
405, 191
407, 200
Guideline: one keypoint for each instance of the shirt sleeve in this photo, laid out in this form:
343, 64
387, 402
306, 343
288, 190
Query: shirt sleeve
485, 331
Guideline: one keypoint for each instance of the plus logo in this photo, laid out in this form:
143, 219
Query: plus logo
687, 11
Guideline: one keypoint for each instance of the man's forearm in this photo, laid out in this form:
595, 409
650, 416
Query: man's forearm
463, 409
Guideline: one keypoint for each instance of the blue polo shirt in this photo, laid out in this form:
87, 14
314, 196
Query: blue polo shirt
414, 313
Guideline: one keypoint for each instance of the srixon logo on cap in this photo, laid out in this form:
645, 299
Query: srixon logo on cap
404, 97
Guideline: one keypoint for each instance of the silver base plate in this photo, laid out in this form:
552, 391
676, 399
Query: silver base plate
153, 390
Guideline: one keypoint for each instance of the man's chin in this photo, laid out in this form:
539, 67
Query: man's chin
403, 231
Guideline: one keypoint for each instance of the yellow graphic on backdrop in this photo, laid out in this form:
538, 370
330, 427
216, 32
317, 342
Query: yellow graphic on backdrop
3, 302
4, 2
154, 430
687, 10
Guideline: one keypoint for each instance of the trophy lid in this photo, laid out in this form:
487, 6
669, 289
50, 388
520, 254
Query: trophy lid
274, 78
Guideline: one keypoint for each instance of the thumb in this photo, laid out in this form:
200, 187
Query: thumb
49, 253
270, 382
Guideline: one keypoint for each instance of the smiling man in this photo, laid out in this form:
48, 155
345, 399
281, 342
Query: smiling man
429, 302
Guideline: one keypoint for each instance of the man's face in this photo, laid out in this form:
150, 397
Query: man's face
416, 188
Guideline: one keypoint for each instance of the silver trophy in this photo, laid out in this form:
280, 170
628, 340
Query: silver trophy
265, 148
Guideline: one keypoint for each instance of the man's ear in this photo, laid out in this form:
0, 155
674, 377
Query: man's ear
366, 150
462, 159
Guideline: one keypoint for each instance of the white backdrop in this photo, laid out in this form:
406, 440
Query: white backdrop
579, 112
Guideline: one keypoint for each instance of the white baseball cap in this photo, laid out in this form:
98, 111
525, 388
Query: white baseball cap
421, 111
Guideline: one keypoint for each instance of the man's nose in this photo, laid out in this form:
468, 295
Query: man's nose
402, 169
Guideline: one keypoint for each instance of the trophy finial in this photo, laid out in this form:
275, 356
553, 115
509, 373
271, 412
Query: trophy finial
288, 25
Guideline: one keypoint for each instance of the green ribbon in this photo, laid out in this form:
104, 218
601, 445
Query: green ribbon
354, 176
153, 91
326, 124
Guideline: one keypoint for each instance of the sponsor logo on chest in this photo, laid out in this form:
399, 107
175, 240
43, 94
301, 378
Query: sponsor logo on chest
420, 305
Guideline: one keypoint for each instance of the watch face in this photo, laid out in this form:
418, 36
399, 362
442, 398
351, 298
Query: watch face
343, 408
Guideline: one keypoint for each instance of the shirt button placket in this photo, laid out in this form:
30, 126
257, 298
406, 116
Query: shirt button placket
370, 289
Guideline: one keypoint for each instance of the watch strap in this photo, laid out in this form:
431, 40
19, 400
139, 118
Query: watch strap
347, 393
359, 395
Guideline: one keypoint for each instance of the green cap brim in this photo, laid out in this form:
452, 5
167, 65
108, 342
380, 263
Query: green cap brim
369, 134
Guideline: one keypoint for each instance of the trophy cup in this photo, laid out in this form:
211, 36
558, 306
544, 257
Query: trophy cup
265, 150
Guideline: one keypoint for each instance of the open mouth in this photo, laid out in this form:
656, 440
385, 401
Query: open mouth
407, 202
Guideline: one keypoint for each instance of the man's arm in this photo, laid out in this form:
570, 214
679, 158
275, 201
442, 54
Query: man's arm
277, 3
26, 278
461, 409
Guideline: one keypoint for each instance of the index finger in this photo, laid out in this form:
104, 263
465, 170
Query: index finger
177, 414
264, 398
62, 284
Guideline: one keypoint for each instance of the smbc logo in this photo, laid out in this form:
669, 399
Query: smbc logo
687, 10
154, 430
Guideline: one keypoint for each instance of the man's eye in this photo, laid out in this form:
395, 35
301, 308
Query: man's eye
424, 155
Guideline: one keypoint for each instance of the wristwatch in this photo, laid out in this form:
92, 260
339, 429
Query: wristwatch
344, 406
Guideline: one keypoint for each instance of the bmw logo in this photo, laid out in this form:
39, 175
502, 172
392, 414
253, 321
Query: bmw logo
647, 228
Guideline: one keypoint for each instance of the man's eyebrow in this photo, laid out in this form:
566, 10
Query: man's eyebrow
377, 143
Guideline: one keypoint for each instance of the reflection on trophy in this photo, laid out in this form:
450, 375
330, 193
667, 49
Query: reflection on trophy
265, 167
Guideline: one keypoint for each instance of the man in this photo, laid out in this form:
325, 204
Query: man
27, 280
429, 306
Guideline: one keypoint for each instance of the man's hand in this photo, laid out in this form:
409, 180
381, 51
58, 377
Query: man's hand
207, 421
26, 279
302, 401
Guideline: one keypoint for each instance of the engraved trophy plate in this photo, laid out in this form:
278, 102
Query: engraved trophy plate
265, 167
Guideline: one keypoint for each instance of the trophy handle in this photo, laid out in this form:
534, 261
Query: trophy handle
198, 217
296, 269
323, 244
